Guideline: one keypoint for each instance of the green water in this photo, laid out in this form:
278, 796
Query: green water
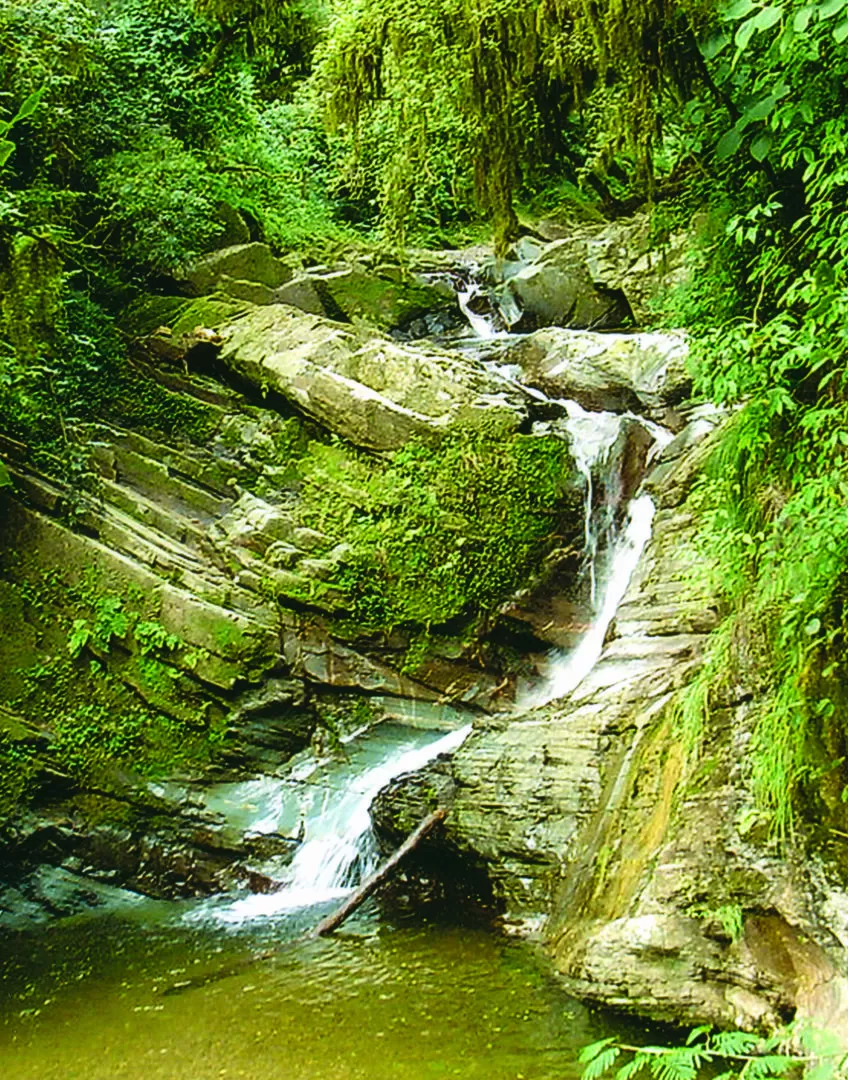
82, 1000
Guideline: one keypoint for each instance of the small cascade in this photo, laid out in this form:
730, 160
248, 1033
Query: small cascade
592, 436
331, 805
483, 325
569, 669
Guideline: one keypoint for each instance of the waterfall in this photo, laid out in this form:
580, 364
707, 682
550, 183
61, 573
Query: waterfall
481, 325
569, 669
592, 436
338, 848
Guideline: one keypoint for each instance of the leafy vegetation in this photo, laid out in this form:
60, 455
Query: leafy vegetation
137, 134
438, 532
776, 274
728, 1054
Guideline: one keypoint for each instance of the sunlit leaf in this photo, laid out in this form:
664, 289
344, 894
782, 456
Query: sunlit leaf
728, 144
740, 9
761, 145
30, 104
767, 17
744, 32
830, 8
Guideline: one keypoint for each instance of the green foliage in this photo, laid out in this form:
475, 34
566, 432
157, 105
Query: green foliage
84, 375
442, 531
439, 101
97, 723
768, 307
732, 1054
137, 140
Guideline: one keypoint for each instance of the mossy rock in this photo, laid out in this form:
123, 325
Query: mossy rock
386, 302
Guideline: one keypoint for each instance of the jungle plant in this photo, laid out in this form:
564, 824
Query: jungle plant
735, 1055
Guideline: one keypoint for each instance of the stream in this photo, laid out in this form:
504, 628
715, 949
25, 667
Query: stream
85, 996
155, 990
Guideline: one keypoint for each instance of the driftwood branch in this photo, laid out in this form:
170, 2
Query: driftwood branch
332, 922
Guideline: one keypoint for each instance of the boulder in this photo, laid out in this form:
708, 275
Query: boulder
624, 256
556, 289
590, 275
242, 263
301, 292
388, 298
616, 372
370, 390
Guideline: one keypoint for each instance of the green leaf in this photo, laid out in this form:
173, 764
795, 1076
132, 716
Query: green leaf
761, 145
767, 17
697, 1032
79, 637
5, 479
590, 1052
740, 9
830, 8
840, 32
714, 45
728, 144
761, 110
7, 148
600, 1064
30, 104
744, 32
802, 18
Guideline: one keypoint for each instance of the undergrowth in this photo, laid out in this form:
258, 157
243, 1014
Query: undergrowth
437, 532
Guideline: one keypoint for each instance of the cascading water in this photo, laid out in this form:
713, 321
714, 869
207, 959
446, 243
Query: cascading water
592, 436
482, 325
569, 669
330, 805
610, 552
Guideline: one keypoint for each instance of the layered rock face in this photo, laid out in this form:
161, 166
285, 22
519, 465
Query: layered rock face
656, 887
211, 582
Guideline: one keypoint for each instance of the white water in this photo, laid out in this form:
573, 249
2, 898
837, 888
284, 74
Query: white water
482, 325
569, 669
592, 436
338, 849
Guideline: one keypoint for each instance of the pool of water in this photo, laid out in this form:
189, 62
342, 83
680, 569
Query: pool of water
85, 999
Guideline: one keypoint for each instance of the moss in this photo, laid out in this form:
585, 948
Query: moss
386, 303
120, 709
436, 533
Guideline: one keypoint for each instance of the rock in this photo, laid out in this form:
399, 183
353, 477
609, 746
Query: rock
252, 292
591, 275
623, 256
606, 371
387, 298
556, 289
526, 786
303, 293
242, 263
372, 391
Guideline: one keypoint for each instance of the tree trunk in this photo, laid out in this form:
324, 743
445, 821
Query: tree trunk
332, 922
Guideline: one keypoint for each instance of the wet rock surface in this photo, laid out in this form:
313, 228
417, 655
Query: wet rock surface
606, 371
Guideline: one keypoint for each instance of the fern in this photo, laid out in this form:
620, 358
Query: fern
747, 1056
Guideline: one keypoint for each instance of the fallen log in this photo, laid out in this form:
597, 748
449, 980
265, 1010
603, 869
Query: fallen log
332, 922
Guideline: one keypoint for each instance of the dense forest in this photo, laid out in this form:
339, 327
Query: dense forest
133, 128
138, 135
